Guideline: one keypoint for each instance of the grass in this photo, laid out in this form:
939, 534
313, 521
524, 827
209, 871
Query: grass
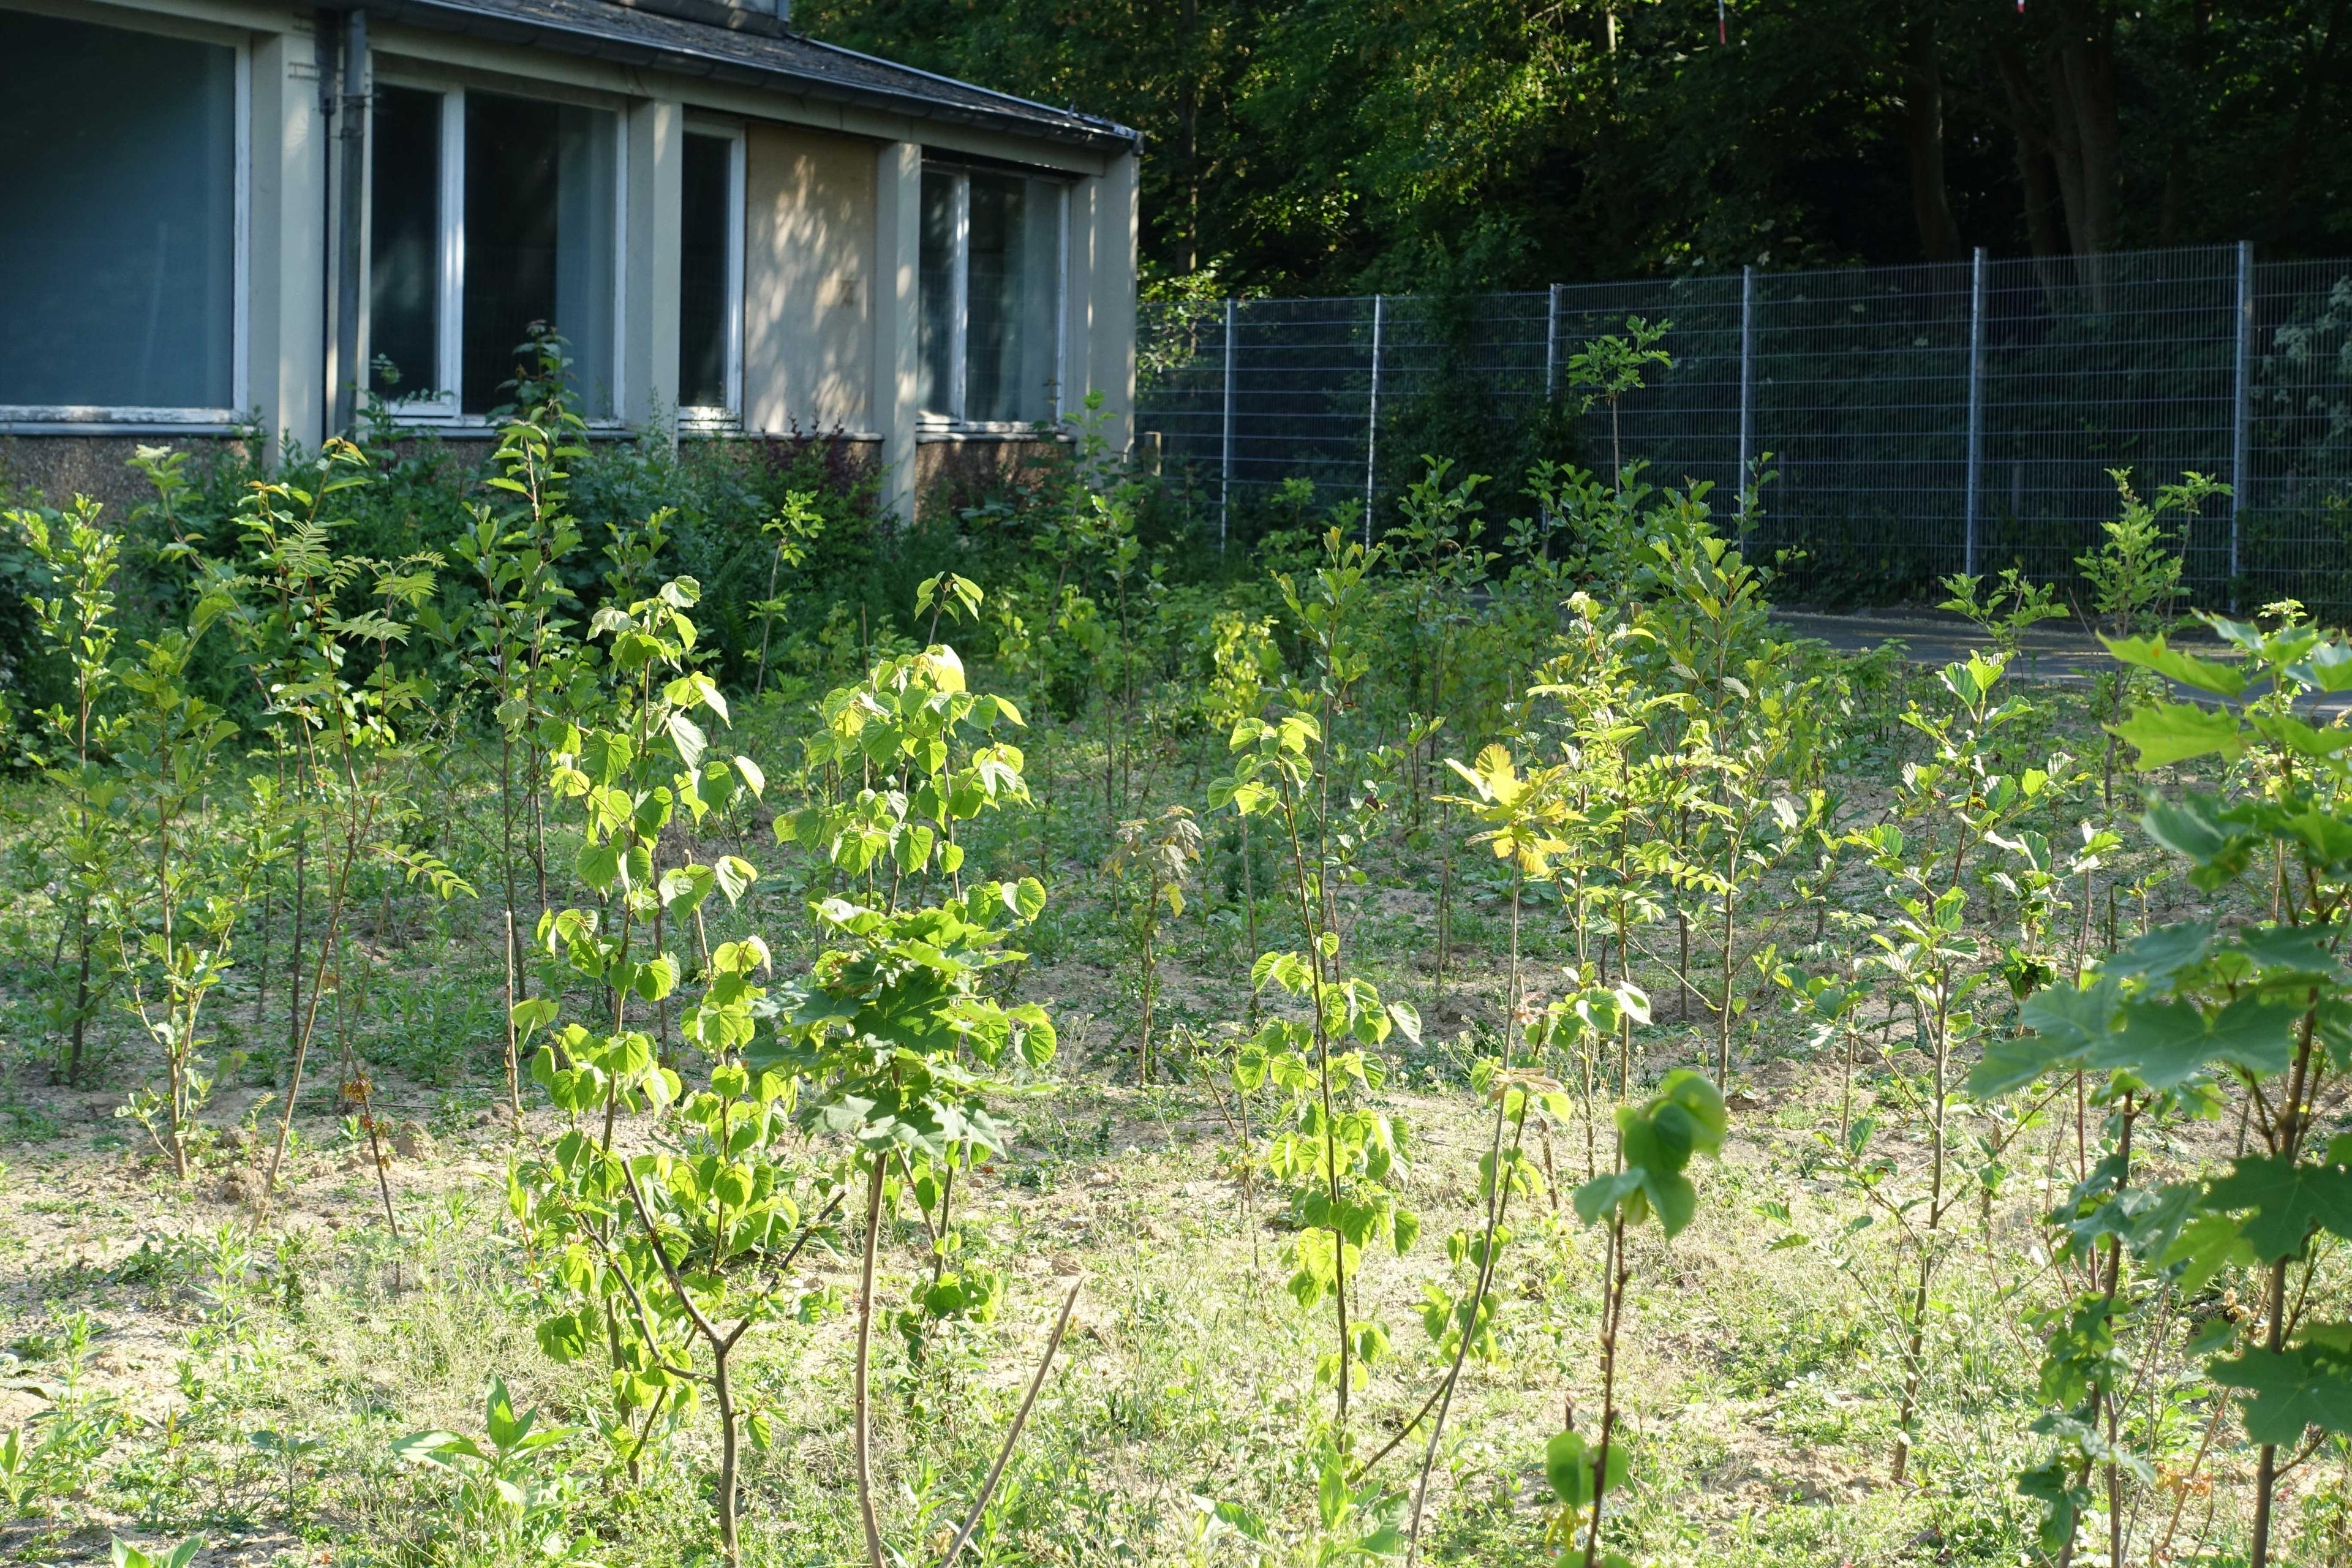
1758, 1388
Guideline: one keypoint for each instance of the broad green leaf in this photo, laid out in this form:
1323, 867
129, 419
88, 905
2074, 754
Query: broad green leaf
2164, 1044
2293, 734
2168, 733
2012, 1062
2289, 1198
2206, 1246
2061, 1498
2156, 654
1568, 1463
2288, 1392
1602, 1194
734, 876
2160, 954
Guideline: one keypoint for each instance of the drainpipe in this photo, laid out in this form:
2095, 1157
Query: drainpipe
350, 266
326, 49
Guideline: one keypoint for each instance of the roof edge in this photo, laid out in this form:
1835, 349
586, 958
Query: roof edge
1018, 117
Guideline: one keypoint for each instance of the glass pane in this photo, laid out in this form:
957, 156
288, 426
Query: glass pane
703, 273
539, 205
1015, 284
404, 224
935, 388
118, 267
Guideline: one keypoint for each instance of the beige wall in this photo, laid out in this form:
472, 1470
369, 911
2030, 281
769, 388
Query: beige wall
808, 280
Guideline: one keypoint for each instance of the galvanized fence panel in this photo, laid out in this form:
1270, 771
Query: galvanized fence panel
1912, 421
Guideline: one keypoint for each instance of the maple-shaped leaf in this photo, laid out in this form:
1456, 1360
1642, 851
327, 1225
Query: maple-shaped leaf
2065, 1021
2290, 1391
2164, 1044
2290, 1200
2155, 957
2286, 953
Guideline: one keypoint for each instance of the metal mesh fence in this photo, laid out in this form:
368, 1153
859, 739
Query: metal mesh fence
1915, 420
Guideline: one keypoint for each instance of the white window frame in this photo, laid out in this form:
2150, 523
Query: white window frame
130, 419
443, 403
729, 417
959, 302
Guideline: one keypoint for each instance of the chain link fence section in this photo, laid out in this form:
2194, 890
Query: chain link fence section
1913, 421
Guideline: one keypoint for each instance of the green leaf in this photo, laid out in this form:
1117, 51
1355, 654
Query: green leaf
1332, 1498
735, 875
2328, 666
2065, 1020
2187, 830
1250, 1526
2013, 1062
599, 865
2206, 1246
2293, 734
2290, 1391
505, 1428
2204, 674
2063, 1501
2289, 1198
564, 1337
2165, 1044
1603, 1193
1568, 1466
1568, 1470
2169, 732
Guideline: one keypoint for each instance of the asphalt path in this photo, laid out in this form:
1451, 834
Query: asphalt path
2057, 651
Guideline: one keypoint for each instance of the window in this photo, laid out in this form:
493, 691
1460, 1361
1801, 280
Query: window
404, 230
710, 279
121, 209
489, 214
991, 330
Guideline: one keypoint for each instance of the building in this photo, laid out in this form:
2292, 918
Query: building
214, 212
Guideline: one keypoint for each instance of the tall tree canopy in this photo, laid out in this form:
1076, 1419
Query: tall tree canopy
1306, 145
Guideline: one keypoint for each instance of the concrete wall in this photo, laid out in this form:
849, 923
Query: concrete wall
808, 280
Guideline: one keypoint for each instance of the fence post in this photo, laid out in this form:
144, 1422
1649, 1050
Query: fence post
1372, 418
1225, 478
2238, 395
1746, 386
1976, 396
1551, 342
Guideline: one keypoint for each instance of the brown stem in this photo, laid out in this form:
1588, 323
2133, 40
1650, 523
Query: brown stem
1612, 1312
862, 1416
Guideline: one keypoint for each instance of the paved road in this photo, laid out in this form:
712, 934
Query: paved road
2054, 650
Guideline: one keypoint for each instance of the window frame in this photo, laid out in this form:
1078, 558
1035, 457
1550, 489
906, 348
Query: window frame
443, 407
120, 419
960, 297
698, 416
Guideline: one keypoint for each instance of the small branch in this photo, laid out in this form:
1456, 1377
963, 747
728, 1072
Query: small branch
996, 1471
1402, 1433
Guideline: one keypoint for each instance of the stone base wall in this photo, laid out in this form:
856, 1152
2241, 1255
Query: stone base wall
56, 468
951, 473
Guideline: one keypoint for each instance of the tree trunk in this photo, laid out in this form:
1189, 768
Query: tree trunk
2068, 135
1923, 141
2318, 81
